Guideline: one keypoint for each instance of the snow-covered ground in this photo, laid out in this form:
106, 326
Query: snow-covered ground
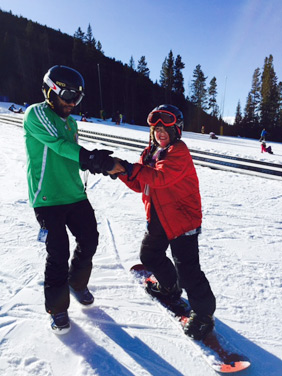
125, 333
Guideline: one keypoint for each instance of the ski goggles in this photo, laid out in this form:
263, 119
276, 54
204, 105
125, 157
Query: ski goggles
71, 96
67, 95
167, 118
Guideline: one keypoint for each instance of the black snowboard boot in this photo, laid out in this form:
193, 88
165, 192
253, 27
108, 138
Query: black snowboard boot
163, 293
83, 296
198, 327
60, 322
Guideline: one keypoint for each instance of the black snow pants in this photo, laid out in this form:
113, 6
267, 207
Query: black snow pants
80, 220
186, 269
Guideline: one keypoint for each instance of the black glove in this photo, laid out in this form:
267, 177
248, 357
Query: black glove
112, 176
128, 167
96, 161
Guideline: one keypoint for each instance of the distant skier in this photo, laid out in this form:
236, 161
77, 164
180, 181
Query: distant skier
166, 176
213, 136
117, 118
57, 194
12, 108
263, 135
266, 149
16, 111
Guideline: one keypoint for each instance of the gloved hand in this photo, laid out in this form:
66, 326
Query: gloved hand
96, 161
112, 176
128, 167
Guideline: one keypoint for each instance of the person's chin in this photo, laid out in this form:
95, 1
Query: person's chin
67, 111
163, 143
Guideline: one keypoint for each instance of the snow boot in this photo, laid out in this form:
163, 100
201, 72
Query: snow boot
60, 322
163, 293
83, 296
198, 327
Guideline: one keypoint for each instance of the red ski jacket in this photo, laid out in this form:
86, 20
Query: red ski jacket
173, 187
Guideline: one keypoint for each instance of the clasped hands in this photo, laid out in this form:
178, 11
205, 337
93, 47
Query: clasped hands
100, 161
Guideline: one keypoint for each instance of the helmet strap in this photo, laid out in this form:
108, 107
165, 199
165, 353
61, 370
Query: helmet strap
47, 97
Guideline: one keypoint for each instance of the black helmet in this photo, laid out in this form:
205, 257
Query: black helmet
169, 116
66, 82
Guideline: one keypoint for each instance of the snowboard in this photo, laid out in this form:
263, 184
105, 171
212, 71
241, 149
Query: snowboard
218, 351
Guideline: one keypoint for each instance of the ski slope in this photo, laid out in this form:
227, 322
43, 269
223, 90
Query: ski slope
125, 333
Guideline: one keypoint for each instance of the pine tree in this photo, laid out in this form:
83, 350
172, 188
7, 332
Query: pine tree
178, 82
79, 34
249, 112
279, 121
198, 88
269, 105
255, 93
89, 39
142, 67
170, 70
212, 104
238, 115
164, 74
167, 72
132, 63
99, 47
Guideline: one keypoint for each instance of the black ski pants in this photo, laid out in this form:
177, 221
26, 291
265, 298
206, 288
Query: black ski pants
80, 220
186, 269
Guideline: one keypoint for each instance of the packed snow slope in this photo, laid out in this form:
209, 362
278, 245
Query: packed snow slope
125, 333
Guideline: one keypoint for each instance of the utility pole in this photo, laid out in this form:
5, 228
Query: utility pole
221, 127
224, 96
101, 101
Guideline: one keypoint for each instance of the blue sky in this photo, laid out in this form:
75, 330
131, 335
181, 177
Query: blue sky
228, 38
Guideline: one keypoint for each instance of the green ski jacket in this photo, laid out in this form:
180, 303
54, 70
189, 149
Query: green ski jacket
52, 157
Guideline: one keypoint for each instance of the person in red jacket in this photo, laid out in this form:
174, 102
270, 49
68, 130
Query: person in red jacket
166, 176
266, 149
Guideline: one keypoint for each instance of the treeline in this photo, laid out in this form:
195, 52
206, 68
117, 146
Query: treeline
28, 50
263, 107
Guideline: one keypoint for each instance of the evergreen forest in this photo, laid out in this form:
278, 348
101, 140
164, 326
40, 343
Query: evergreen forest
263, 107
28, 50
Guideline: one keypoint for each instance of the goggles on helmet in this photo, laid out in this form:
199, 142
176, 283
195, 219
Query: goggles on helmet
167, 118
68, 95
71, 96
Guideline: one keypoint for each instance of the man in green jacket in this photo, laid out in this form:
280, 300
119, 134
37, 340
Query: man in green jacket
57, 194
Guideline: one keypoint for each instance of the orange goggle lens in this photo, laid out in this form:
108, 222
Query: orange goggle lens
165, 117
